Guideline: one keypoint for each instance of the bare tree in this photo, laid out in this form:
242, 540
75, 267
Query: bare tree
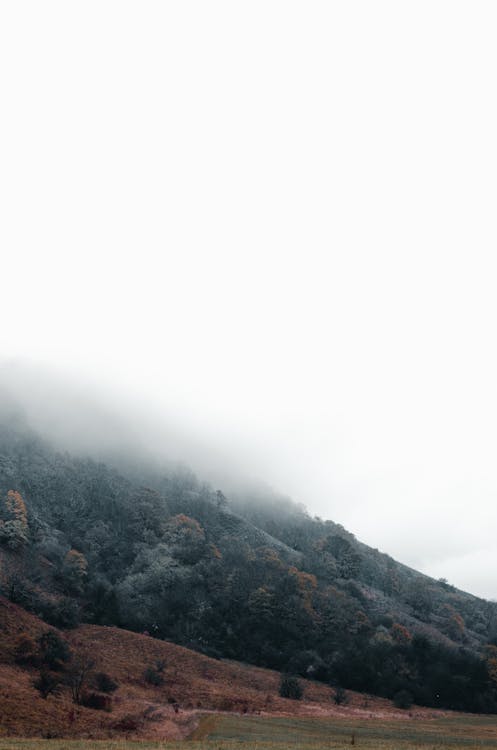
78, 675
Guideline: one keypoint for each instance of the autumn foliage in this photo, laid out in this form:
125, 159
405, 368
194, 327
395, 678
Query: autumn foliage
14, 520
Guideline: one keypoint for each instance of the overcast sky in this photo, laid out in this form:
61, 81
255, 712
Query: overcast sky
271, 225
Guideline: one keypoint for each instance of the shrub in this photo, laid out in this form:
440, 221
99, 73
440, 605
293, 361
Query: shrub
402, 699
97, 701
104, 683
153, 677
26, 650
290, 687
46, 684
307, 664
127, 724
340, 696
79, 674
54, 650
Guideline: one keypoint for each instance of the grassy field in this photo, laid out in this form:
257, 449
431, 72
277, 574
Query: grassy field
280, 732
224, 732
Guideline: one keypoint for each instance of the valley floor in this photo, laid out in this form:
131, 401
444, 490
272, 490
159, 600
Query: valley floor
232, 732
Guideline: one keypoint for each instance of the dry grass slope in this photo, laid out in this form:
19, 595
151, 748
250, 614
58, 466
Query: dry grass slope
193, 682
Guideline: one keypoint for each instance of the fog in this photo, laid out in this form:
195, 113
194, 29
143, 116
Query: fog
440, 523
260, 239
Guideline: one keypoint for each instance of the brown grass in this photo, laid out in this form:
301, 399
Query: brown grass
196, 683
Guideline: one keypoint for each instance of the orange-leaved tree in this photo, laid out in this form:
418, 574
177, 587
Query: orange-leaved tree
14, 520
74, 571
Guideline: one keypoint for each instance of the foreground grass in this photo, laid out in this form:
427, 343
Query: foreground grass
282, 732
224, 732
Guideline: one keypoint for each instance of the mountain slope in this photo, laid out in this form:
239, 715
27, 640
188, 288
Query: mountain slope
192, 685
252, 577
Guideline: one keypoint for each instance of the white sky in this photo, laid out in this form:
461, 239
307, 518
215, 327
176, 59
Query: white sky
273, 222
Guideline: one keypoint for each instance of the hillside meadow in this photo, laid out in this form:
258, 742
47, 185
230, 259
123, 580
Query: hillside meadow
140, 711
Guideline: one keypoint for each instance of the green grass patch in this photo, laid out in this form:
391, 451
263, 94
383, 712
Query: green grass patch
229, 732
287, 732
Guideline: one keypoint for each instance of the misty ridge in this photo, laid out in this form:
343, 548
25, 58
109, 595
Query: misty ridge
98, 526
86, 420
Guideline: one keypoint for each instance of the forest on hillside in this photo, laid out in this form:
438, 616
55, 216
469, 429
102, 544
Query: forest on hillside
250, 577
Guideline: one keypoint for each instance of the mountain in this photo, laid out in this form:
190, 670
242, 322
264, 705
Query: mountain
249, 577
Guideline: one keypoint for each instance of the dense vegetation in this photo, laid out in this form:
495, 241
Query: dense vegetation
252, 577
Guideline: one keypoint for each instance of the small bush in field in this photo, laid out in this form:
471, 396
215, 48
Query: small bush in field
104, 683
340, 696
153, 677
127, 724
97, 701
290, 687
46, 684
54, 650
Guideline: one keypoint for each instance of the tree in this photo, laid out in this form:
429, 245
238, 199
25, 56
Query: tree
391, 580
14, 521
261, 605
306, 584
78, 675
348, 562
74, 571
400, 634
454, 625
186, 537
221, 501
420, 596
491, 663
